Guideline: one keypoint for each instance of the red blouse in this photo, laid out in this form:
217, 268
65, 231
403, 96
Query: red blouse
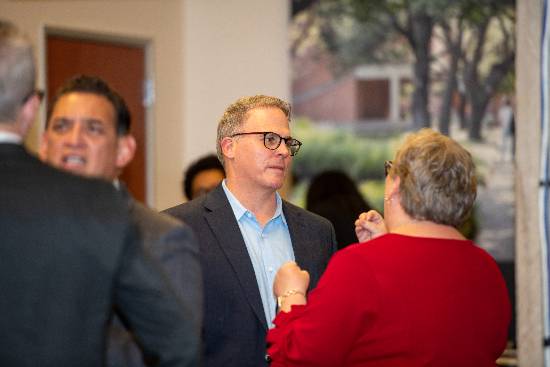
399, 301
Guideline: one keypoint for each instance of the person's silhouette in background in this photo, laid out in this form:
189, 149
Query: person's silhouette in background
507, 121
333, 194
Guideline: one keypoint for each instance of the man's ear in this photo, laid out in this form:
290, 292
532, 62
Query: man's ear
228, 147
43, 149
126, 148
27, 114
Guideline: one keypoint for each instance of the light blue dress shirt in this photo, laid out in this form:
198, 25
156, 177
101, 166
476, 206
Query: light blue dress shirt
268, 247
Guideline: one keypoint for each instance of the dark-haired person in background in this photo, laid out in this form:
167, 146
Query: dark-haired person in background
68, 252
88, 133
202, 176
333, 194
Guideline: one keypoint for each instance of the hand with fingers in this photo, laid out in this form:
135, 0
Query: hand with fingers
370, 225
290, 285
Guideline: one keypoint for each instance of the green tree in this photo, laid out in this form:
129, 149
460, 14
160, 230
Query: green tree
487, 60
413, 20
453, 31
478, 36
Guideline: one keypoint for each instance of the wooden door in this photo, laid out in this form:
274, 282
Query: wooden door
122, 66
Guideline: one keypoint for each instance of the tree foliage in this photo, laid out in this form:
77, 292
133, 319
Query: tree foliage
487, 60
478, 39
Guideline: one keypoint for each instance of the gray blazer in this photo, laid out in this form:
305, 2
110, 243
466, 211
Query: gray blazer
174, 245
68, 255
234, 327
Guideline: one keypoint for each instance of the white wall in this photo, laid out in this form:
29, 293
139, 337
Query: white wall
234, 48
203, 54
528, 136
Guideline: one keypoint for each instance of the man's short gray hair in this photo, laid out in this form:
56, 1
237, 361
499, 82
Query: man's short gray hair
235, 115
17, 72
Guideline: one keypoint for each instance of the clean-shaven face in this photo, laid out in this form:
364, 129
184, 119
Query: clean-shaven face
81, 136
255, 163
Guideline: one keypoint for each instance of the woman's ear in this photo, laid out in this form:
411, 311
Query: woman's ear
394, 183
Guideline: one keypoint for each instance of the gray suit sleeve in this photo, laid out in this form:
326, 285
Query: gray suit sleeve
165, 327
179, 258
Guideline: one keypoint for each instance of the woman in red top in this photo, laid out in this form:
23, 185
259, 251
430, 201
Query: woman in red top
414, 292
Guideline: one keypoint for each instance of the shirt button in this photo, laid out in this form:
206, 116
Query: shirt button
268, 358
270, 269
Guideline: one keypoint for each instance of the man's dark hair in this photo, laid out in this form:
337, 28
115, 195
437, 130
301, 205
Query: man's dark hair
95, 85
207, 162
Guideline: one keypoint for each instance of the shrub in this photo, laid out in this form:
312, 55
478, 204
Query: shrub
335, 148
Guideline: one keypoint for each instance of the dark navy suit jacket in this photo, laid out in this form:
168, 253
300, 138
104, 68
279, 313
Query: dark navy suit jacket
234, 327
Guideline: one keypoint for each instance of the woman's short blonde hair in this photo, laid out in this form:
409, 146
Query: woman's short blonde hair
437, 178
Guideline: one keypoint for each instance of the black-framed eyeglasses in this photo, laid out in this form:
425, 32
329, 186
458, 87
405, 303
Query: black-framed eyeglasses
34, 92
387, 167
273, 140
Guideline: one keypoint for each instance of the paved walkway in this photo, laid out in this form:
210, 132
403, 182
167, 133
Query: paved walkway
496, 198
496, 208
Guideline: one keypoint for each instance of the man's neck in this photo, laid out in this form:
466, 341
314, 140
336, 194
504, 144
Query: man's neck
262, 203
12, 128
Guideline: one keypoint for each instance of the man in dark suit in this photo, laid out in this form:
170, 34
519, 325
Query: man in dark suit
88, 133
246, 231
68, 252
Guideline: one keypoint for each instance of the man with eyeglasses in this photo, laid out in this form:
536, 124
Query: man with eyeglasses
246, 231
68, 251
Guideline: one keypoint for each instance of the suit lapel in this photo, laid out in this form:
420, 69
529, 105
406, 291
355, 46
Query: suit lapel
221, 219
301, 241
298, 234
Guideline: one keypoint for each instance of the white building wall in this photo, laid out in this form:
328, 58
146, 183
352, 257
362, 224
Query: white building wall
528, 253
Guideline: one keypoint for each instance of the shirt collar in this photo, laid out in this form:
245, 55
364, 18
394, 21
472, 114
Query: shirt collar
239, 210
117, 184
279, 208
9, 137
